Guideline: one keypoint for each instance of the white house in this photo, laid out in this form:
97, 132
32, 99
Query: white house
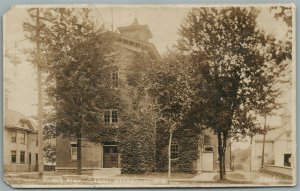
20, 143
278, 146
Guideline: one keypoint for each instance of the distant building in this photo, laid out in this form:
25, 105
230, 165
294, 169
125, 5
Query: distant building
278, 146
20, 143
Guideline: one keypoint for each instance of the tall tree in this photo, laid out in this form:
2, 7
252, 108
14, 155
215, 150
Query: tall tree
168, 85
79, 60
227, 54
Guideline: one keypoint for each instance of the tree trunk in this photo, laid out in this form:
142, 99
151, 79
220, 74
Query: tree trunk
224, 153
79, 166
169, 168
224, 166
220, 152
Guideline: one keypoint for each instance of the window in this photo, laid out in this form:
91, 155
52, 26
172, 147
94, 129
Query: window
13, 136
74, 151
22, 138
114, 116
110, 116
29, 158
287, 160
13, 156
115, 79
174, 151
22, 156
36, 158
208, 148
36, 142
106, 116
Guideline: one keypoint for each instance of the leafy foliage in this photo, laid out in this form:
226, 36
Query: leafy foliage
49, 131
168, 85
234, 68
139, 124
77, 75
138, 144
284, 13
50, 153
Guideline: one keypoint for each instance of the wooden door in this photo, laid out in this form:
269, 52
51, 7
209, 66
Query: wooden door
110, 157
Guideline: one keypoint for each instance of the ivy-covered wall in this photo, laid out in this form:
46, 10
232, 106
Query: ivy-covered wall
138, 144
135, 136
188, 143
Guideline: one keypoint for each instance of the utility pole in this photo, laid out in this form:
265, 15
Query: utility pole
251, 155
112, 19
264, 142
40, 104
169, 168
37, 29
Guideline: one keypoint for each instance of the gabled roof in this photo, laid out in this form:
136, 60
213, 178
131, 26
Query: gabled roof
273, 135
12, 120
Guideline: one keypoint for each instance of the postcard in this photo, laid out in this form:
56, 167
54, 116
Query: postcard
137, 96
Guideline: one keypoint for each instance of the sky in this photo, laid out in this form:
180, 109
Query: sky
163, 22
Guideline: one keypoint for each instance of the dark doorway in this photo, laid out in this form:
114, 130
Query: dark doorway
287, 160
36, 162
110, 156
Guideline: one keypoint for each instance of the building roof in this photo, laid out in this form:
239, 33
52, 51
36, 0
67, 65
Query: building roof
136, 26
135, 44
273, 134
12, 120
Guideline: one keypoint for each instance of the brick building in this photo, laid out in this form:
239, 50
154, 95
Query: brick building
106, 154
129, 41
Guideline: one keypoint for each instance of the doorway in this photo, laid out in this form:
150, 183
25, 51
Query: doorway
287, 160
208, 162
110, 156
208, 158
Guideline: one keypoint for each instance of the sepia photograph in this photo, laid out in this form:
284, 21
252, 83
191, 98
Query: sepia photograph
118, 96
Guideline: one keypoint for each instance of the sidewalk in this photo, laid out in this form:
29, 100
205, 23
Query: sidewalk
208, 179
205, 176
